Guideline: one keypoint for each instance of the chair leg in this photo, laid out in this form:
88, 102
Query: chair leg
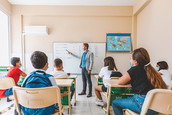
15, 109
15, 112
6, 109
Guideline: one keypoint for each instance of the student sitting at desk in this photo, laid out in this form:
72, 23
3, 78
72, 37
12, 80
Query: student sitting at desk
105, 73
162, 68
40, 79
143, 78
14, 73
59, 73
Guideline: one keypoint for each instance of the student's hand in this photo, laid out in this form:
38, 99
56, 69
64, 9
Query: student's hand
23, 74
69, 53
89, 71
64, 94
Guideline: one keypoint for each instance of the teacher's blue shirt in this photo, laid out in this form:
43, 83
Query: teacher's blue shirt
84, 59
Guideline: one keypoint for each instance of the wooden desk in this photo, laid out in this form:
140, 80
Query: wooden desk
3, 73
99, 80
97, 77
112, 83
74, 79
66, 83
73, 76
74, 82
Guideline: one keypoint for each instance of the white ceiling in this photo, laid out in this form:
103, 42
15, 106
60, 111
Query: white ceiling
75, 2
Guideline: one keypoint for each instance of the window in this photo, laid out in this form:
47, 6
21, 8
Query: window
4, 39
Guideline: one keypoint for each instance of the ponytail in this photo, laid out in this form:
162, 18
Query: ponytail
155, 78
142, 57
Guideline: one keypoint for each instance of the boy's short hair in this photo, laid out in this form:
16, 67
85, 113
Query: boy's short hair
58, 62
86, 45
39, 59
15, 60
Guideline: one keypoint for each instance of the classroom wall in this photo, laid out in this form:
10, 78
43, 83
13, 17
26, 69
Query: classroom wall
5, 6
154, 28
140, 5
70, 24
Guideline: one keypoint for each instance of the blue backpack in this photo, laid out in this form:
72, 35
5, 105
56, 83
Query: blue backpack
38, 79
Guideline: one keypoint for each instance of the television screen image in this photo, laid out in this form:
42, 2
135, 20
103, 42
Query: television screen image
118, 42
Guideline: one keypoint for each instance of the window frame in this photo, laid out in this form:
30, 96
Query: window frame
9, 35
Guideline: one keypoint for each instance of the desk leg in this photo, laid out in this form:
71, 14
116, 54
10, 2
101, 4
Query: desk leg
69, 101
97, 84
109, 99
75, 91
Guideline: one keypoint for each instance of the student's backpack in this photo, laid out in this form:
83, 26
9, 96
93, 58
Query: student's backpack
38, 79
115, 74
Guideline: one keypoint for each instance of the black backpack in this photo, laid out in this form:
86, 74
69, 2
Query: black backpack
116, 74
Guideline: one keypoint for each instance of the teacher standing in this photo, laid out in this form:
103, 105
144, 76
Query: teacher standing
86, 66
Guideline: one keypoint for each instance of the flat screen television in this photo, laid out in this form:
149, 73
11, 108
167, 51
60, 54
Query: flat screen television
118, 42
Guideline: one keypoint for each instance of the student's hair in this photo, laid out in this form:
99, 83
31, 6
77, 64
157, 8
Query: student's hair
162, 65
15, 60
142, 57
109, 61
58, 62
39, 59
86, 45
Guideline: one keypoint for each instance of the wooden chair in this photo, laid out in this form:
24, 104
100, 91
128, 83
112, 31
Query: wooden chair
6, 83
37, 98
158, 100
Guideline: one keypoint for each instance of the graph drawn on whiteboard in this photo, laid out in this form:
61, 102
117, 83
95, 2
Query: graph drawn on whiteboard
71, 63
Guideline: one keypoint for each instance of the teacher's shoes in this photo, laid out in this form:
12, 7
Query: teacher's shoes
99, 103
89, 95
82, 93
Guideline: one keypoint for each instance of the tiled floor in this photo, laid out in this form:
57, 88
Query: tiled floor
84, 106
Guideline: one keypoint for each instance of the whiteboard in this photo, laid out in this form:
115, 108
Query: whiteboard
71, 64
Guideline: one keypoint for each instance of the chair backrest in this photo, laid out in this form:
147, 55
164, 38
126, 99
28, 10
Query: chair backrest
37, 97
6, 83
159, 100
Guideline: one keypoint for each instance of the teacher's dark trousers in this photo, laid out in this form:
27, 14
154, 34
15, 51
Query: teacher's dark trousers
86, 78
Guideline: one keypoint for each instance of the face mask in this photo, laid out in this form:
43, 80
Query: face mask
46, 69
20, 65
130, 64
157, 68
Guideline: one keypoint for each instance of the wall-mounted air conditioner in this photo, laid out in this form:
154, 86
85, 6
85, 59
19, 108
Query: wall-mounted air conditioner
35, 30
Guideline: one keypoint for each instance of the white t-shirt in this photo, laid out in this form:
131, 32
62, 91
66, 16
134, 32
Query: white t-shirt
59, 74
105, 74
165, 76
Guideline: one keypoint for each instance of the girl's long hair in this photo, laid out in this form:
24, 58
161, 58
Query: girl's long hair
142, 57
109, 61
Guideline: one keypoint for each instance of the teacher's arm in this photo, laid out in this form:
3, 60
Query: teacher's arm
91, 63
74, 55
